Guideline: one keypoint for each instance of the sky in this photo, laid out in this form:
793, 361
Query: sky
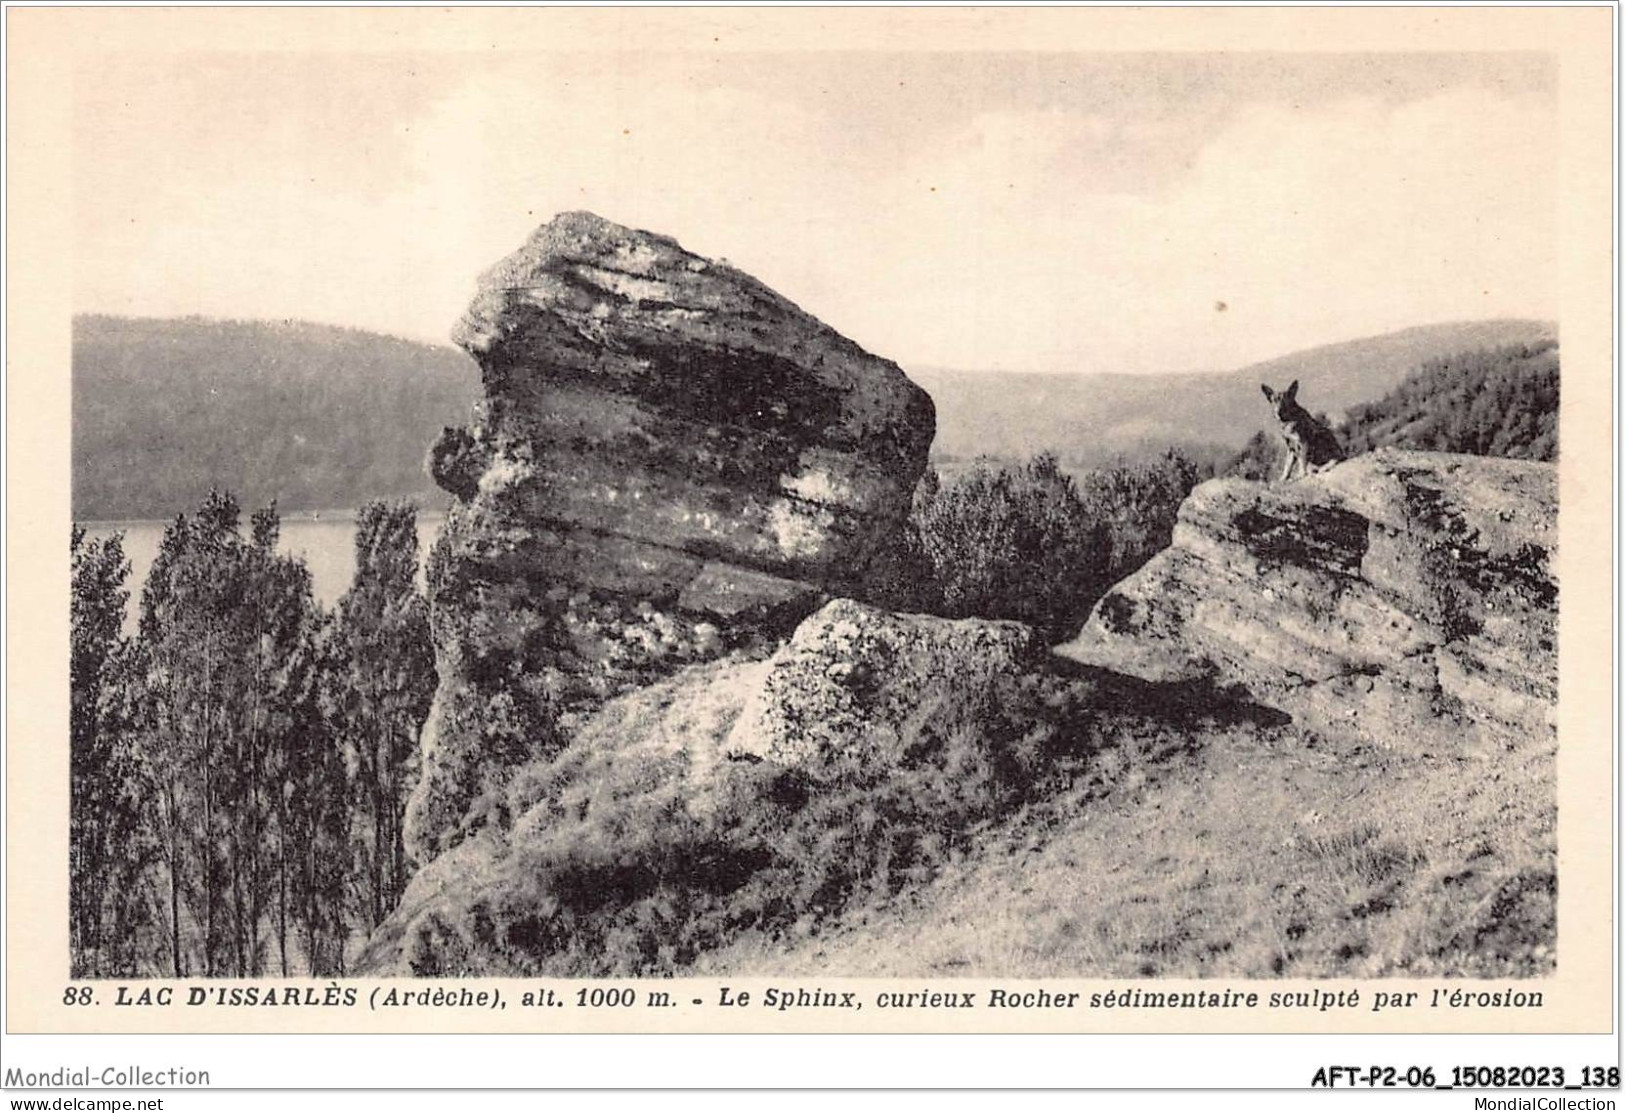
1059, 212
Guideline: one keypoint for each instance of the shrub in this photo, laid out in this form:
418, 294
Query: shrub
1029, 542
1138, 505
1261, 460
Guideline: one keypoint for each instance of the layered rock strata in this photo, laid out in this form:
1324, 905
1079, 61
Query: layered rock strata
852, 678
1403, 598
670, 462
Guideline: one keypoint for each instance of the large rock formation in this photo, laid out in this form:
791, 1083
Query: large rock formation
671, 461
1402, 598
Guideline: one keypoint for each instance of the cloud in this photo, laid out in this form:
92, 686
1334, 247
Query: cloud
1309, 224
1090, 236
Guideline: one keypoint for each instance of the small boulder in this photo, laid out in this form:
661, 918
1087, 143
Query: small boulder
853, 676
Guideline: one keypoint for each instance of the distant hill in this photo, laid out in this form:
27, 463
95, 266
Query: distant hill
320, 417
314, 416
1484, 402
1495, 402
1089, 419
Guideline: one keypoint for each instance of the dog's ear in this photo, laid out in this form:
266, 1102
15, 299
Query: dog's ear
1292, 391
1268, 393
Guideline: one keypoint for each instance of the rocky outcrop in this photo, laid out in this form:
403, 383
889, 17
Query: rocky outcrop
671, 462
637, 775
1406, 599
728, 776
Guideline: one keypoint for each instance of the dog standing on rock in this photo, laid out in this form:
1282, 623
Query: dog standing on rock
1310, 446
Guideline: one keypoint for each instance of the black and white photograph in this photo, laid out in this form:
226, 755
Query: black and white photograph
1002, 525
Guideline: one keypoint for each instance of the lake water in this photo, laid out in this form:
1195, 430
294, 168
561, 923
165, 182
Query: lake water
326, 544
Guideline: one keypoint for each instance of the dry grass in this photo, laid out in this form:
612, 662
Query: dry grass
1253, 852
1049, 826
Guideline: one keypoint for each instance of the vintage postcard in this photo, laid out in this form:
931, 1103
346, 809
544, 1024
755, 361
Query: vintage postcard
853, 520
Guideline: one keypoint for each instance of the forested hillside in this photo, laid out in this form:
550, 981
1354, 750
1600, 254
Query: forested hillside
1089, 417
310, 416
1501, 402
1486, 402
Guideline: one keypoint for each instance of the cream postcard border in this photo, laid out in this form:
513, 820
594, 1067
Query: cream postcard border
45, 45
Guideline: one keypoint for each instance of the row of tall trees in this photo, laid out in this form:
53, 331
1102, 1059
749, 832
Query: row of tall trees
240, 765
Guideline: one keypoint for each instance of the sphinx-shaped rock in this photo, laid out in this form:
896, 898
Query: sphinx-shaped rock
670, 461
1406, 599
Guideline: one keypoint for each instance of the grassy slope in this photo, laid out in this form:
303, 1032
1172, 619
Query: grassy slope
1251, 852
1119, 829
